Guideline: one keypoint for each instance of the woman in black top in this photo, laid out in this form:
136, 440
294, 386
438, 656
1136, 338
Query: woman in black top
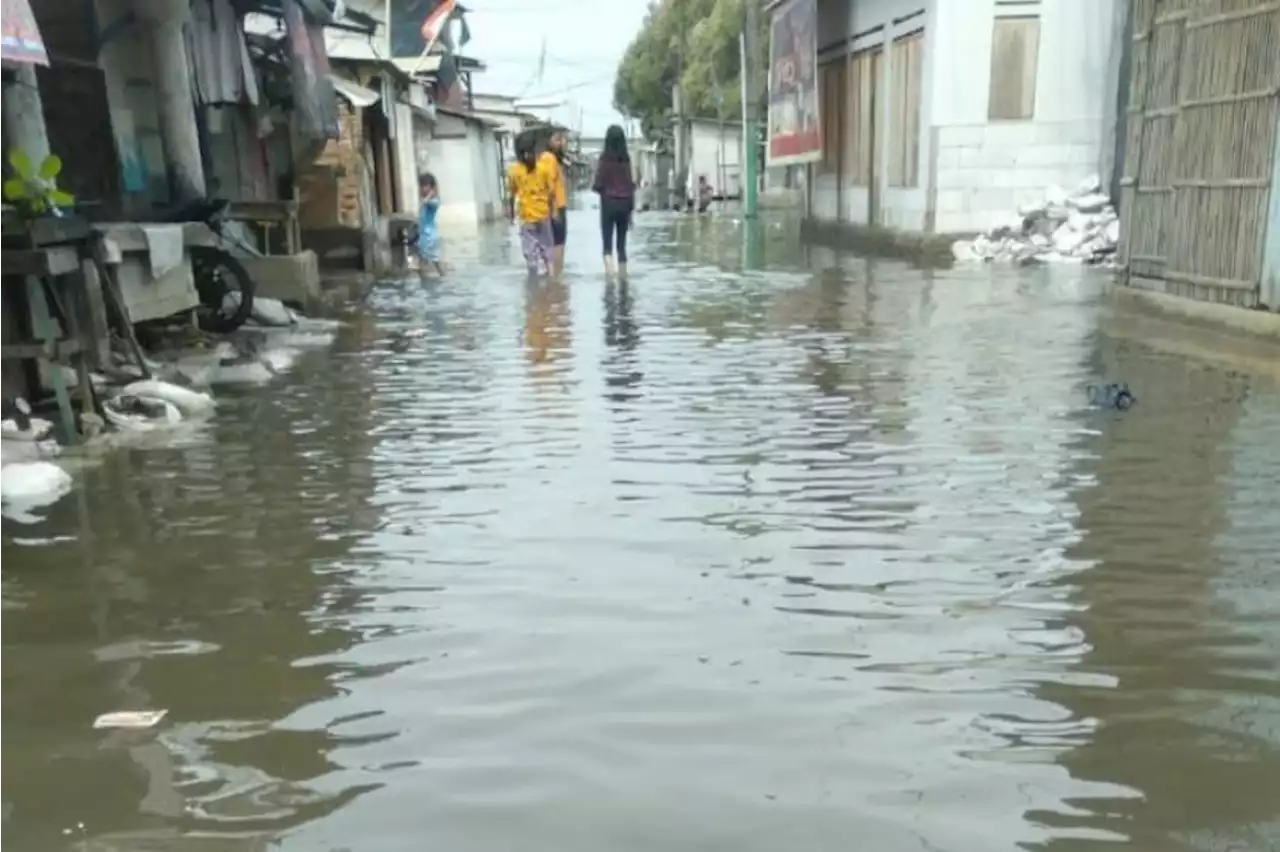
617, 197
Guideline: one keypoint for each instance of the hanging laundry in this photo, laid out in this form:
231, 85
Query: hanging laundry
219, 55
315, 105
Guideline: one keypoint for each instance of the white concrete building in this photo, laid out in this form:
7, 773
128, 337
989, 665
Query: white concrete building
945, 116
462, 151
508, 119
715, 150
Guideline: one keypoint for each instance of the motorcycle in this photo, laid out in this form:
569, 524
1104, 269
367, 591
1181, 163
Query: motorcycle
223, 285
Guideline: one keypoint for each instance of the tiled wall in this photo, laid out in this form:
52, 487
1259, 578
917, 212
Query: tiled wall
986, 172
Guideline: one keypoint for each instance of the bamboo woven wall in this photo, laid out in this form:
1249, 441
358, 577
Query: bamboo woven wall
1154, 100
1204, 90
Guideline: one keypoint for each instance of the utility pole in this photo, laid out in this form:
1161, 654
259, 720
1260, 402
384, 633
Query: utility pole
749, 44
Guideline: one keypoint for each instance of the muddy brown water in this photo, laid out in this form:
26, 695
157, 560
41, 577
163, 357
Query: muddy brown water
770, 549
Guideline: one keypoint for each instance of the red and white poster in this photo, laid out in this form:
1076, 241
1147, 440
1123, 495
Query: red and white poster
795, 129
22, 42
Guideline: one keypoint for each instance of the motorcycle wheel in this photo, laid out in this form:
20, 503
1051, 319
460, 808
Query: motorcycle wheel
224, 287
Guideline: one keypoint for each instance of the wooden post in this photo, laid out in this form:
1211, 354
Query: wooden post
24, 115
175, 104
45, 330
96, 341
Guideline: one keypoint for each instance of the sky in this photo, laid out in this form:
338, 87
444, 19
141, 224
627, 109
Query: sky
584, 43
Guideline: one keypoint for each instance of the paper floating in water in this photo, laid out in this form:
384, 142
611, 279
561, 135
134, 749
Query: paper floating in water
130, 719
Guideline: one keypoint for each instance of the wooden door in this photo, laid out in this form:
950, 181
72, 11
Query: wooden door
833, 79
860, 130
876, 89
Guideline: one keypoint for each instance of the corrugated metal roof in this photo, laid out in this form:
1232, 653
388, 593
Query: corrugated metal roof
356, 95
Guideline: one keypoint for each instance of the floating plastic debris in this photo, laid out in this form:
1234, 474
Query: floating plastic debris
1115, 395
130, 719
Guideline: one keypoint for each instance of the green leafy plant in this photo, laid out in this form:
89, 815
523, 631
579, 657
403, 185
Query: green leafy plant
35, 191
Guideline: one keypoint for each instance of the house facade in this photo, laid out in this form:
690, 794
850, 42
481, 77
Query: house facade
945, 116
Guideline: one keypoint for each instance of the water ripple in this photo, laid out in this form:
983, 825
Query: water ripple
722, 557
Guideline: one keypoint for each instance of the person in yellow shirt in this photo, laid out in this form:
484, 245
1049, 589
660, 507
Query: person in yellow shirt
531, 192
552, 160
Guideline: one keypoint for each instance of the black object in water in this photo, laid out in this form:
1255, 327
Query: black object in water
18, 410
1114, 395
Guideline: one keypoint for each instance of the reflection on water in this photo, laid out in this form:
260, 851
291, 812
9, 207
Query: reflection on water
620, 364
756, 551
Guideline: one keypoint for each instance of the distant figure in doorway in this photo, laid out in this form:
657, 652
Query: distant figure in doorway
531, 192
706, 192
617, 193
428, 235
552, 160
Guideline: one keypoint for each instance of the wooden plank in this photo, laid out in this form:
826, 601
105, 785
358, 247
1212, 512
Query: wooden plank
44, 328
1211, 281
41, 262
129, 236
261, 211
1224, 183
97, 329
51, 350
1238, 97
1231, 17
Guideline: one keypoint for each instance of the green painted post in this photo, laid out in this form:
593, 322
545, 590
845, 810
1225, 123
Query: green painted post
749, 46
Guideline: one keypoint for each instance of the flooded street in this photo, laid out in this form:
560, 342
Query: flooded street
769, 549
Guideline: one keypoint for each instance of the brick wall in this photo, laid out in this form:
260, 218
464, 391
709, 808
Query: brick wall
329, 189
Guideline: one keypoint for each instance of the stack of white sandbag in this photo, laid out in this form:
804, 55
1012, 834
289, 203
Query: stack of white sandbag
150, 404
1080, 227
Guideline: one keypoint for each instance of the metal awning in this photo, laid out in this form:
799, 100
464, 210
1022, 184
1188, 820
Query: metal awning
355, 94
323, 11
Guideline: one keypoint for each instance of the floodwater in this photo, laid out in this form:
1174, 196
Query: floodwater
769, 549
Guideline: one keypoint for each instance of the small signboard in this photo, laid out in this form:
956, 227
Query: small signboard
21, 36
795, 129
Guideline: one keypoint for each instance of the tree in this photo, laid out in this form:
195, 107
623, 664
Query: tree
692, 42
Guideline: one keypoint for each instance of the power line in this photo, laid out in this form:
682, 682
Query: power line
474, 8
589, 65
572, 87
